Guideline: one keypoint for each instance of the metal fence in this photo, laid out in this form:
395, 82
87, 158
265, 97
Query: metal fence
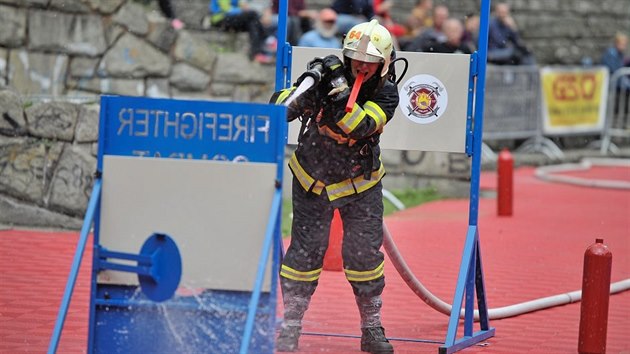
512, 102
617, 123
512, 110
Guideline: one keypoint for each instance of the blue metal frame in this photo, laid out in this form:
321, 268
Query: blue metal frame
470, 276
76, 264
283, 52
264, 143
470, 279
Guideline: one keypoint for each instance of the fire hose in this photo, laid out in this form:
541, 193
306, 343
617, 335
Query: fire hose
497, 313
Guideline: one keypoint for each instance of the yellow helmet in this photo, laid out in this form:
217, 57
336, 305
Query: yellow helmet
369, 42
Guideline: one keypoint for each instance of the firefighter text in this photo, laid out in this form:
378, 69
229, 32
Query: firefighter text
213, 126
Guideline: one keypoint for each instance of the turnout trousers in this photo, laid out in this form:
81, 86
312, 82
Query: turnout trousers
362, 217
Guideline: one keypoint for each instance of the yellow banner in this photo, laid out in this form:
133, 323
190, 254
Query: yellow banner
574, 99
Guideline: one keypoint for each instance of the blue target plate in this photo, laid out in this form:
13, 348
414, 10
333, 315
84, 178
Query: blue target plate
166, 267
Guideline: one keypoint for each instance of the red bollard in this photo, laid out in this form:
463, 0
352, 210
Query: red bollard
595, 296
332, 258
505, 169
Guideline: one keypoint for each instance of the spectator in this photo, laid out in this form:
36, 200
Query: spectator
432, 34
382, 10
324, 34
420, 17
471, 31
167, 10
614, 58
505, 46
299, 19
351, 12
235, 15
451, 42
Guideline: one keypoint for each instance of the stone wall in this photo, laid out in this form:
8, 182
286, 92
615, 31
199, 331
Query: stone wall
83, 48
58, 56
47, 161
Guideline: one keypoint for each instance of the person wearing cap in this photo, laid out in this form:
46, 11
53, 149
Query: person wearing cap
324, 35
337, 166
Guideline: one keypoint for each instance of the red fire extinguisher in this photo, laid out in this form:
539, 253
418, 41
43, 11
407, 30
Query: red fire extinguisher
595, 296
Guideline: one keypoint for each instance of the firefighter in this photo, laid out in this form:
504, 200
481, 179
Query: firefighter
337, 166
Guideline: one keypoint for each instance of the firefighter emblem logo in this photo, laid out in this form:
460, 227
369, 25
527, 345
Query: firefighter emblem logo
423, 99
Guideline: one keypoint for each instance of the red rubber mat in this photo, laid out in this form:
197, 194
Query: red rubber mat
537, 252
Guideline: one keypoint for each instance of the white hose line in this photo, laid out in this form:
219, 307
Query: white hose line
548, 173
494, 314
306, 84
392, 199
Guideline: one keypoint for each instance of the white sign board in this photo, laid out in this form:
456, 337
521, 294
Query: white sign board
431, 115
215, 211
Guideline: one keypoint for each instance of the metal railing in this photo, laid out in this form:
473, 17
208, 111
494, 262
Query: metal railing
617, 124
513, 110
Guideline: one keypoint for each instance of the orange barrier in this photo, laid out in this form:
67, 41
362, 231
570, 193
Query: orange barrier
332, 259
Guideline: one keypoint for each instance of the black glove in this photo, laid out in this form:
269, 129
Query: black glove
314, 69
333, 66
337, 88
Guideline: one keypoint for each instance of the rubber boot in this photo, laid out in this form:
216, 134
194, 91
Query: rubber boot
294, 308
288, 339
373, 338
373, 341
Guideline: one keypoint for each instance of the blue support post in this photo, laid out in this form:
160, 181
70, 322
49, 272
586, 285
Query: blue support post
470, 277
95, 197
471, 239
480, 90
469, 111
482, 307
260, 276
283, 52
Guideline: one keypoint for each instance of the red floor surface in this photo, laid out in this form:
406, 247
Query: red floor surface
537, 252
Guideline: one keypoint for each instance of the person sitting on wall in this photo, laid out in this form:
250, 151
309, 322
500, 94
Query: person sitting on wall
431, 34
451, 42
505, 46
299, 19
235, 15
325, 33
382, 10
